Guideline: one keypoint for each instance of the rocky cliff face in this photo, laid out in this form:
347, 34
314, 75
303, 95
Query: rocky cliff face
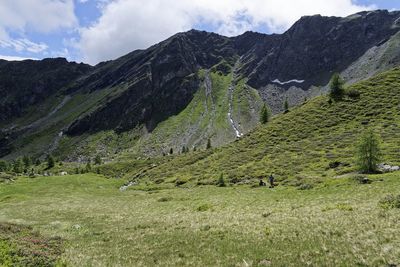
28, 83
146, 87
159, 81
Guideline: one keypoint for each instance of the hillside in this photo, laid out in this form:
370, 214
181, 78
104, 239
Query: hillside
192, 87
312, 141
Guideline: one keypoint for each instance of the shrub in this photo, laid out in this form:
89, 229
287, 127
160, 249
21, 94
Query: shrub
390, 202
204, 207
305, 187
179, 182
164, 199
353, 93
361, 179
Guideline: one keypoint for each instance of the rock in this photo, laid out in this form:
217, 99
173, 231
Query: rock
388, 168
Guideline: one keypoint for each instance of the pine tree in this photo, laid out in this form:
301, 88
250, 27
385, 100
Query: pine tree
18, 166
208, 143
264, 114
368, 152
27, 161
221, 181
336, 87
3, 166
97, 160
37, 162
88, 166
50, 162
286, 105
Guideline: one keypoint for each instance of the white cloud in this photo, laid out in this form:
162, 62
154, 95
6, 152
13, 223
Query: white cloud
13, 58
39, 15
126, 25
23, 44
43, 16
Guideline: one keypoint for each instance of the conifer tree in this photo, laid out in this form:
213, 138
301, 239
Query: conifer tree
264, 114
336, 87
368, 152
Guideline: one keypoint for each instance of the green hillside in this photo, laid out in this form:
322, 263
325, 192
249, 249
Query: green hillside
302, 144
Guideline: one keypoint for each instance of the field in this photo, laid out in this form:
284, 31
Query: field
338, 222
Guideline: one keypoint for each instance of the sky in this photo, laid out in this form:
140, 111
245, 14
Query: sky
92, 31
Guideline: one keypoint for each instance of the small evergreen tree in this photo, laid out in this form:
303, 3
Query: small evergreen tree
286, 105
50, 162
368, 152
88, 166
336, 87
264, 114
3, 166
208, 143
97, 160
183, 150
27, 161
171, 151
221, 181
18, 166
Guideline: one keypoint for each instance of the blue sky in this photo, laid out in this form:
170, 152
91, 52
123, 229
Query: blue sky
96, 30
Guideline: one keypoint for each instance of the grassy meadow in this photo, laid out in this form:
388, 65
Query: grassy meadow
338, 222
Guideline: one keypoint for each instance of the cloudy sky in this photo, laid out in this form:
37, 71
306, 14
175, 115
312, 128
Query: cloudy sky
96, 30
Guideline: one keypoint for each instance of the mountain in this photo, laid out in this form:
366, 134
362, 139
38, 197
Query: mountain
185, 90
313, 141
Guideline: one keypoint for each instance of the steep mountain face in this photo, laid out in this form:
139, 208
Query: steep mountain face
28, 83
190, 88
316, 46
160, 81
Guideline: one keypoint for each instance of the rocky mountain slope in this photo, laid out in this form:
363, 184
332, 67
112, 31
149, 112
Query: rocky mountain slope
307, 144
190, 88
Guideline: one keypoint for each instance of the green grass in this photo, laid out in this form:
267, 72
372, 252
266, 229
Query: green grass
337, 223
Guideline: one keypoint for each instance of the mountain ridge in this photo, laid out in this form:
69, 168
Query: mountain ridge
136, 92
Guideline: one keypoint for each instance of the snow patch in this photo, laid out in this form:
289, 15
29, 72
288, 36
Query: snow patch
290, 81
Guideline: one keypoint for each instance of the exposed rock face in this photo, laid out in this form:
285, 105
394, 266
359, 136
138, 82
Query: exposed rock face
160, 81
316, 46
27, 83
149, 86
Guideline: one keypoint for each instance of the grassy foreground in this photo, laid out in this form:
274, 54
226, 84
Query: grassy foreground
337, 223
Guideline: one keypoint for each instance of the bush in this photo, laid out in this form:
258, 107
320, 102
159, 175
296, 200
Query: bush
361, 179
179, 182
305, 187
204, 207
353, 93
390, 202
